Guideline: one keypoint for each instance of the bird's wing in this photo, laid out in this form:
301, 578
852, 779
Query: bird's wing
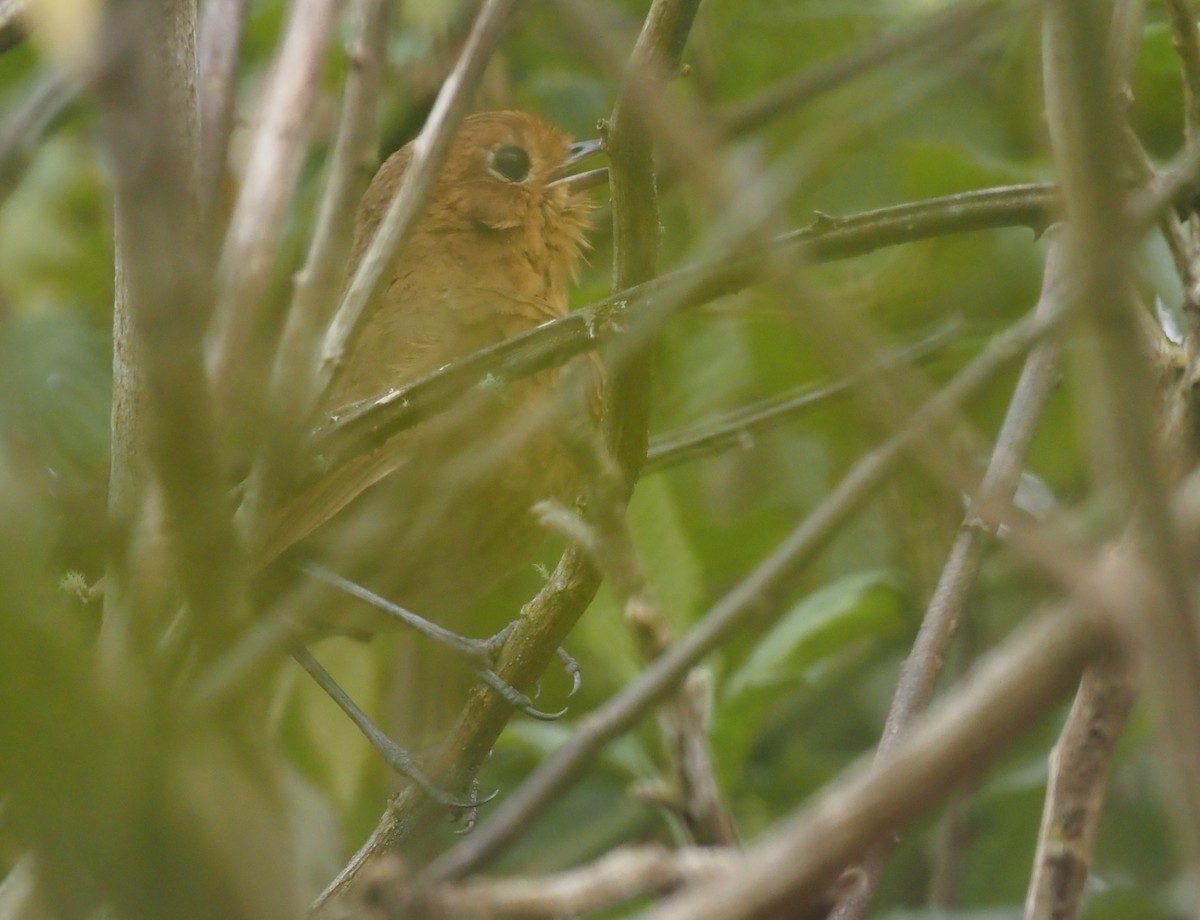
284, 527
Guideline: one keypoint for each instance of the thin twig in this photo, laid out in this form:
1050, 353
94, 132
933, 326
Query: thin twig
683, 719
429, 150
222, 27
316, 284
255, 236
45, 102
940, 623
738, 426
931, 38
1075, 792
1006, 692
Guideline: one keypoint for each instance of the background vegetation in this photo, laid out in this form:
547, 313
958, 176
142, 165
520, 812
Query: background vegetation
786, 114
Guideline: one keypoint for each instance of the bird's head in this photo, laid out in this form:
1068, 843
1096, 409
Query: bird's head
510, 174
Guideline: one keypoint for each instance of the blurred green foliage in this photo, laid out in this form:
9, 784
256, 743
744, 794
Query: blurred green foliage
794, 701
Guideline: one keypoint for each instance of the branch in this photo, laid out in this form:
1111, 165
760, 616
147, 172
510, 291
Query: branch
758, 592
1075, 792
1038, 379
255, 236
429, 151
1085, 136
636, 314
163, 427
222, 27
931, 39
642, 309
616, 878
1004, 694
738, 426
543, 625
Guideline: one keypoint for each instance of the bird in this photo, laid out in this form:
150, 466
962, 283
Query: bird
440, 514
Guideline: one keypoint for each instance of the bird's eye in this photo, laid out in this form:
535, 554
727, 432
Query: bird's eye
510, 163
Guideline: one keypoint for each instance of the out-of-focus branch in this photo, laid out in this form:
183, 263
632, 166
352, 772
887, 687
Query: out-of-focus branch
24, 128
429, 151
616, 878
940, 623
930, 40
1075, 792
738, 426
1186, 32
354, 155
758, 592
222, 26
163, 426
641, 309
12, 24
1085, 136
1004, 694
236, 358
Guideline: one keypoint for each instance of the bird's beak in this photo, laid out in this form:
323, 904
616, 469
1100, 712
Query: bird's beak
565, 176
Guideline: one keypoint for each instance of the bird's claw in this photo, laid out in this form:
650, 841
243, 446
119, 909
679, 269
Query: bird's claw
515, 697
403, 763
571, 667
470, 816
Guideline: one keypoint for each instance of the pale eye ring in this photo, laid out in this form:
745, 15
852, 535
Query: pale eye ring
510, 163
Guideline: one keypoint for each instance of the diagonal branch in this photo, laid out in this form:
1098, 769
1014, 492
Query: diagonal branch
255, 237
429, 151
758, 592
940, 623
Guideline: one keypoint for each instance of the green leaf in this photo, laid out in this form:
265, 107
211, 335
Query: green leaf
864, 605
834, 620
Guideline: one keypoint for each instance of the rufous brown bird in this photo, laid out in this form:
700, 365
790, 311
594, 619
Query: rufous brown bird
438, 515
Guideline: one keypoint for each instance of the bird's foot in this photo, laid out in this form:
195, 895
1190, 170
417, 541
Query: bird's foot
481, 653
396, 757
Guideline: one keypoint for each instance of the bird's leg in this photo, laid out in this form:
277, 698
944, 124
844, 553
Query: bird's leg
397, 757
480, 652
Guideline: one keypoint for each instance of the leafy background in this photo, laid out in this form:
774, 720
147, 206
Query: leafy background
793, 703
